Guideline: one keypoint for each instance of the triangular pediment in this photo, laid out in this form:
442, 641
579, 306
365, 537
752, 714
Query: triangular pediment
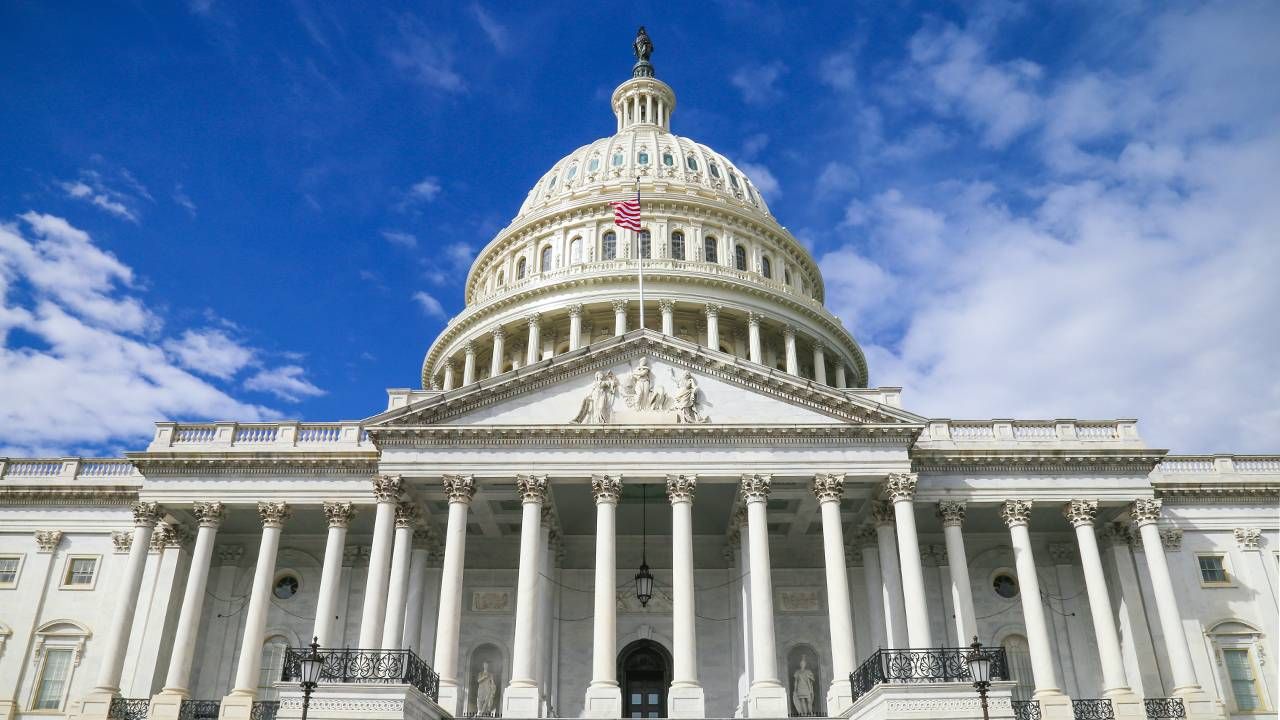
644, 379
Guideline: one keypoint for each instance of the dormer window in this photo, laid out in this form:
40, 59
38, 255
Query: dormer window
668, 159
617, 159
573, 172
642, 158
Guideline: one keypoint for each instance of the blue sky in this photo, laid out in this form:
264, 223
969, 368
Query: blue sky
253, 211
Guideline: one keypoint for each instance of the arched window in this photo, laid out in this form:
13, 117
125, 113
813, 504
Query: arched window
272, 666
520, 268
646, 245
1018, 653
766, 267
740, 257
575, 250
501, 278
786, 277
609, 246
58, 646
544, 264
709, 251
1237, 646
677, 245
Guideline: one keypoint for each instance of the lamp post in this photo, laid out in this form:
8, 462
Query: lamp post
979, 662
309, 668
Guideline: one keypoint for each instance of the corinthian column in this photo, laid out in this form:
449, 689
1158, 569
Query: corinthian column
1146, 513
533, 353
713, 326
398, 590
686, 699
895, 609
1127, 706
386, 491
753, 338
819, 363
499, 351
604, 699
668, 310
829, 488
145, 517
460, 489
789, 344
448, 376
868, 544
1053, 704
522, 696
339, 515
575, 326
176, 686
952, 514
767, 696
901, 489
239, 703
469, 363
619, 317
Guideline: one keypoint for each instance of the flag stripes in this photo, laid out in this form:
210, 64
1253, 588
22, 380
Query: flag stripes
626, 214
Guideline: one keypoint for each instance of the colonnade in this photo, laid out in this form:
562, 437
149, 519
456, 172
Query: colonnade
890, 554
824, 371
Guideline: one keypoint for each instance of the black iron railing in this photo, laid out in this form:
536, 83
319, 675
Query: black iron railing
921, 666
129, 708
1164, 708
367, 666
1093, 709
199, 710
264, 710
1026, 709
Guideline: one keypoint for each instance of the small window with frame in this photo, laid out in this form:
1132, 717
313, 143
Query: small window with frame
81, 572
10, 571
1214, 570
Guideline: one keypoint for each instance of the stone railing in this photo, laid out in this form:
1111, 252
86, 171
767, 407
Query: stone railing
16, 471
260, 436
1220, 465
938, 665
1032, 431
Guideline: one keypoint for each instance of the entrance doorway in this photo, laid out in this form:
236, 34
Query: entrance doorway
644, 669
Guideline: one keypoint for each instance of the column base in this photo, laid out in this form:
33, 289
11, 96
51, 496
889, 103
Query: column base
94, 706
1126, 704
367, 701
604, 700
450, 695
1199, 705
767, 699
8, 709
236, 706
686, 701
522, 701
931, 701
165, 705
839, 697
1054, 705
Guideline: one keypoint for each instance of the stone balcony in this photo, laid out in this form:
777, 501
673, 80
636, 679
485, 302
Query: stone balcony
282, 436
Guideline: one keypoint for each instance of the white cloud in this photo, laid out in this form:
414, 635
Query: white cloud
403, 239
425, 57
764, 180
836, 177
90, 189
211, 352
839, 71
286, 382
430, 305
86, 367
425, 189
183, 200
758, 83
498, 34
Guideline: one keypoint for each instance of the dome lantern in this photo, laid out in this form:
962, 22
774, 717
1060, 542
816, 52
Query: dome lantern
644, 99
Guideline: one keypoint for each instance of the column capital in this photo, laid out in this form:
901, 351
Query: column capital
386, 488
1016, 512
274, 513
147, 514
499, 333
459, 488
753, 319
952, 513
789, 332
1080, 512
531, 488
165, 535
681, 488
819, 346
47, 540
866, 538
209, 514
900, 487
575, 310
450, 365
882, 513
533, 318
1146, 511
469, 347
712, 310
828, 487
1115, 534
606, 488
1171, 538
1249, 538
122, 540
666, 305
406, 514
755, 487
619, 306
339, 514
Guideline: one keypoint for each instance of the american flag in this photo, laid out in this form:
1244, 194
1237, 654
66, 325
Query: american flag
626, 213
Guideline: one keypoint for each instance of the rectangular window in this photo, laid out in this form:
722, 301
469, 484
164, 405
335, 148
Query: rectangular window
1244, 682
51, 687
81, 571
1213, 570
9, 567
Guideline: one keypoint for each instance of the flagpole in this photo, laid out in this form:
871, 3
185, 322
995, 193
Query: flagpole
640, 255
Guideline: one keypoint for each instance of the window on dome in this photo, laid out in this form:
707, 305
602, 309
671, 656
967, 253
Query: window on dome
691, 162
709, 251
752, 194
668, 159
677, 245
575, 250
646, 244
786, 276
617, 159
733, 180
594, 164
545, 261
520, 268
609, 246
572, 173
642, 157
714, 169
740, 257
766, 267
501, 278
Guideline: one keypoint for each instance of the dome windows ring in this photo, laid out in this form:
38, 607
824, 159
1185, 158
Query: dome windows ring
521, 266
668, 159
709, 251
740, 257
617, 159
733, 180
572, 173
691, 162
593, 164
546, 259
766, 267
714, 169
677, 245
609, 246
642, 158
646, 245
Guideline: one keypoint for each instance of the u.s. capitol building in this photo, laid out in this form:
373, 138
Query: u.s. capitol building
710, 515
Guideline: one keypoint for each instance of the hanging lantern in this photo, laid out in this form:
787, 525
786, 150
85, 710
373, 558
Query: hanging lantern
644, 578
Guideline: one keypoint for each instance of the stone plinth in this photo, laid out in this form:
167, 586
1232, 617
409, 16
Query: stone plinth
928, 701
358, 701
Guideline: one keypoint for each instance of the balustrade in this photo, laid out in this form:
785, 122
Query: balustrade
1092, 709
129, 708
199, 709
921, 666
1163, 708
264, 710
1026, 709
348, 665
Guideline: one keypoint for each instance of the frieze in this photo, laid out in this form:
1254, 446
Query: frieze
257, 464
647, 435
491, 601
64, 496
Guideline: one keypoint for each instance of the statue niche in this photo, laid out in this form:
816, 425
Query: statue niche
644, 400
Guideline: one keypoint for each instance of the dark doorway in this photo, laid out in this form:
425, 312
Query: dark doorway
644, 668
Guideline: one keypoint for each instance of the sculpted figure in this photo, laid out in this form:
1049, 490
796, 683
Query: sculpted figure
802, 689
642, 396
685, 402
597, 406
643, 46
486, 692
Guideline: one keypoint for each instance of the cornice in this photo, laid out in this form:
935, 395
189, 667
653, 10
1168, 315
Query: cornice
267, 463
1224, 493
94, 495
1030, 460
645, 435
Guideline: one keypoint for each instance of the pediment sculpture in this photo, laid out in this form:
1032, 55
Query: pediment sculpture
644, 399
